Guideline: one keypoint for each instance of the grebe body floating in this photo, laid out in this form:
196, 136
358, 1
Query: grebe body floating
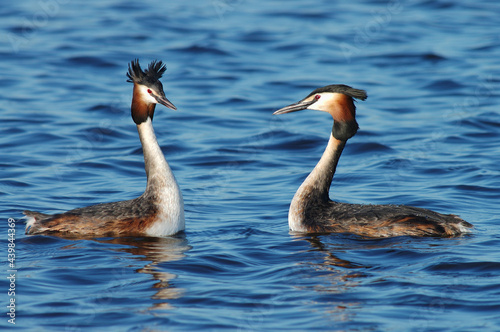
160, 210
312, 211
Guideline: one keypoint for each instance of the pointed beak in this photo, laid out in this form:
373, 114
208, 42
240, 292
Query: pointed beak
301, 105
164, 101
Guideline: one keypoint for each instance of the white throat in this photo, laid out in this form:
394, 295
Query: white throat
161, 184
316, 186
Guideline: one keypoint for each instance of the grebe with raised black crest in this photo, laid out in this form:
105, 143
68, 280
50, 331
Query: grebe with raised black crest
312, 211
159, 211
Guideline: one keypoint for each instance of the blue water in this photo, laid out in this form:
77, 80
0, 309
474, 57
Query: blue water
429, 137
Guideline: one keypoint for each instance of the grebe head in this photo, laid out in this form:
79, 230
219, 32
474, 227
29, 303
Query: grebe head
338, 101
148, 90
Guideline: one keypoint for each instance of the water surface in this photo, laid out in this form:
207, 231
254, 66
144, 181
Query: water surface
429, 137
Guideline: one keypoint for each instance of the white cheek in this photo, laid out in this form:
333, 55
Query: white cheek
146, 96
322, 104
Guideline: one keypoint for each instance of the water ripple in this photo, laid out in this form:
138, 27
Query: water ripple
428, 136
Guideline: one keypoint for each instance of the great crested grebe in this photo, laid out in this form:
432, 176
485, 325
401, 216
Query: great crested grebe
160, 210
312, 211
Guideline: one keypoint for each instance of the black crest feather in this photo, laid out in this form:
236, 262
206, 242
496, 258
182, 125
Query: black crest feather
341, 88
149, 76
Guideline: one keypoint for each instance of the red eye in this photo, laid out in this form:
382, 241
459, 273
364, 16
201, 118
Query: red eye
149, 91
317, 97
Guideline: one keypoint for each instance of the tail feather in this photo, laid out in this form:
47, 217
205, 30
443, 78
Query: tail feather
32, 217
459, 226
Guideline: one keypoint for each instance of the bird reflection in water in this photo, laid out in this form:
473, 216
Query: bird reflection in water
154, 252
337, 276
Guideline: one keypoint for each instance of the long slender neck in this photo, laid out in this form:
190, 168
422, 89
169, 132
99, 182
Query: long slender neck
157, 170
317, 184
315, 188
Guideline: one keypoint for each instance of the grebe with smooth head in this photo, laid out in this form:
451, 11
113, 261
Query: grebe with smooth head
312, 211
159, 211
